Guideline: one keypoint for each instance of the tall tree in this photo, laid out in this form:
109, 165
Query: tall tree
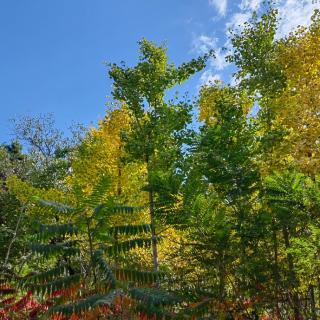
282, 74
12, 221
226, 221
294, 200
157, 124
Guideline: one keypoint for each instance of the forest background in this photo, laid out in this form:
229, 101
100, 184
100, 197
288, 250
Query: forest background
146, 216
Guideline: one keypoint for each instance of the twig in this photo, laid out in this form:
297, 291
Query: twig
14, 236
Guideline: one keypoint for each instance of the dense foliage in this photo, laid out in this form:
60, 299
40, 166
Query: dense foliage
144, 218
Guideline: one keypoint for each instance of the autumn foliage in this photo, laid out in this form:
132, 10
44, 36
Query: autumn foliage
154, 215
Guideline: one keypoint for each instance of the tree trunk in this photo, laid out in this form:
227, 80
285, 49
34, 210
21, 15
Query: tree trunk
276, 268
15, 233
119, 185
152, 219
91, 252
222, 273
292, 276
153, 232
313, 303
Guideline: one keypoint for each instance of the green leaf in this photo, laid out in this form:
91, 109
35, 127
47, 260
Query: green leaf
154, 296
50, 287
48, 250
137, 276
55, 206
131, 229
84, 305
128, 245
98, 193
47, 276
106, 272
56, 230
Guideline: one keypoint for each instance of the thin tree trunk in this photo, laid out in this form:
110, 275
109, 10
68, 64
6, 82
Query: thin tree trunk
292, 275
14, 237
91, 253
313, 303
318, 301
222, 273
119, 185
153, 232
276, 268
152, 220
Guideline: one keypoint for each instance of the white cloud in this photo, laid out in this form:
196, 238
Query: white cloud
202, 44
208, 77
234, 81
237, 20
220, 6
250, 5
219, 62
293, 13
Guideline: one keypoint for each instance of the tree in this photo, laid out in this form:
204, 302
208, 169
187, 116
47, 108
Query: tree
293, 198
222, 193
157, 125
282, 74
13, 226
102, 152
236, 238
297, 108
73, 256
48, 150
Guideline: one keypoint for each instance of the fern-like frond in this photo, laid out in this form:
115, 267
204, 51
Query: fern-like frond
55, 285
105, 270
82, 306
47, 276
56, 230
154, 296
285, 190
131, 229
47, 250
129, 245
137, 276
105, 209
53, 206
98, 193
126, 209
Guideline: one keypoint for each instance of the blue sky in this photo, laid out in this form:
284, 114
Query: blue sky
52, 51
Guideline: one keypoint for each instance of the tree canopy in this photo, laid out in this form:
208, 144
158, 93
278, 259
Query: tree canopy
143, 217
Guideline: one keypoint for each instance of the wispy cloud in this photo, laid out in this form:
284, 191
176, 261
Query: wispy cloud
209, 77
220, 6
250, 5
219, 62
237, 20
294, 13
203, 43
